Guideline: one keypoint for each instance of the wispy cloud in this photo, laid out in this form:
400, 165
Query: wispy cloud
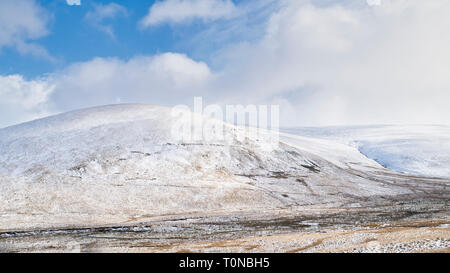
101, 13
22, 22
73, 2
177, 11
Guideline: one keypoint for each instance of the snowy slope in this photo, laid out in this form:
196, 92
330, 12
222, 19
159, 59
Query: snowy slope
119, 164
416, 150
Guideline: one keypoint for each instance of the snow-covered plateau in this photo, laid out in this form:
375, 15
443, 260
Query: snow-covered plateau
120, 164
422, 150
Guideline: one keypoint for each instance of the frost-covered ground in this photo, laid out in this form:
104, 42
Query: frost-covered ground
120, 168
415, 149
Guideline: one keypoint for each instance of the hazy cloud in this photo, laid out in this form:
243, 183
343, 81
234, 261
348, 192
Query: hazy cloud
347, 63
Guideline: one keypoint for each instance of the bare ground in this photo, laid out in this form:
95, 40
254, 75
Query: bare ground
406, 226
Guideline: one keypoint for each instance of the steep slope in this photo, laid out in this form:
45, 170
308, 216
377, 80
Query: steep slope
121, 164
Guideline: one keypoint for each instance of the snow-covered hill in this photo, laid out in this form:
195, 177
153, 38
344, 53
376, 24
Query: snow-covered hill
417, 150
121, 164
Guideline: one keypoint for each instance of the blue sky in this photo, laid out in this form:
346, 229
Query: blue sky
323, 62
73, 38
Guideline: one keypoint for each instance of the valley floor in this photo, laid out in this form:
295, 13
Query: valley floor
411, 226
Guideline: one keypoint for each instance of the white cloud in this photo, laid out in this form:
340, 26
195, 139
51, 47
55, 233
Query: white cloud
156, 79
177, 11
103, 12
73, 2
21, 22
22, 100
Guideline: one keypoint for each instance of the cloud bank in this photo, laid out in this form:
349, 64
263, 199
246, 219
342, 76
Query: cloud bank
23, 100
152, 79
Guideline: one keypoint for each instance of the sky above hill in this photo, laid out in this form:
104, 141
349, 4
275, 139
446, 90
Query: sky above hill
324, 62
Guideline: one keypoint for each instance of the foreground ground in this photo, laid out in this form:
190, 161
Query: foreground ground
419, 226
